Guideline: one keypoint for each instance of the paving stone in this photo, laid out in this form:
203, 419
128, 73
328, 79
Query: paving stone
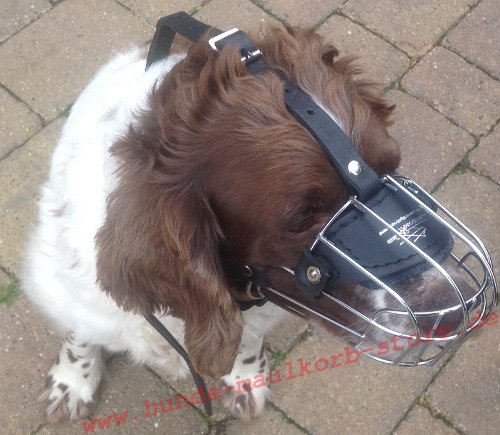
238, 13
17, 123
473, 378
153, 10
486, 157
14, 15
382, 61
477, 37
285, 333
28, 347
431, 145
358, 397
270, 422
456, 89
420, 422
474, 200
413, 25
48, 69
22, 173
300, 13
123, 393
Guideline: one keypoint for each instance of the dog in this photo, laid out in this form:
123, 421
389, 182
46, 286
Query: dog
166, 180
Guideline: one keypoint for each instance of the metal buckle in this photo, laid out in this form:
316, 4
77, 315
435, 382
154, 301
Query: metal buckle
215, 39
224, 35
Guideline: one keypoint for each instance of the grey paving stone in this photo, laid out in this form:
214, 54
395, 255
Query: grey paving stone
22, 174
48, 63
271, 422
420, 422
300, 13
486, 157
17, 123
431, 145
473, 377
153, 10
467, 390
285, 333
456, 89
238, 13
475, 200
382, 61
359, 397
477, 37
14, 15
412, 25
123, 393
28, 347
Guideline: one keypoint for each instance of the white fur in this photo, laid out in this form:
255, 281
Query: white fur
60, 274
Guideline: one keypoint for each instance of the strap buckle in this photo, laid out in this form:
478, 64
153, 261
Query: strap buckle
236, 38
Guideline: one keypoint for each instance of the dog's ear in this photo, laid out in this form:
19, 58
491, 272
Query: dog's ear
159, 253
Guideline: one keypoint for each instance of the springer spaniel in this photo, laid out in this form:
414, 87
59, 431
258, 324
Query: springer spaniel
163, 182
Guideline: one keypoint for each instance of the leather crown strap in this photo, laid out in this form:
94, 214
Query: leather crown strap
359, 178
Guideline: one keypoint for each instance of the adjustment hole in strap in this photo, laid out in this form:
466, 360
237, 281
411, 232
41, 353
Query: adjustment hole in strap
310, 111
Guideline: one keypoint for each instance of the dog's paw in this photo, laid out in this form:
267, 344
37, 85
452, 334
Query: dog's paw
243, 400
72, 382
245, 390
66, 399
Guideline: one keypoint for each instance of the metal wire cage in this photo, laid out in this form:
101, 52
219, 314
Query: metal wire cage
407, 331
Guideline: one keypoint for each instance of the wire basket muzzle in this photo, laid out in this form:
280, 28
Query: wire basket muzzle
427, 277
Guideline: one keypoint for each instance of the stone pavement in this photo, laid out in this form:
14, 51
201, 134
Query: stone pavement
439, 61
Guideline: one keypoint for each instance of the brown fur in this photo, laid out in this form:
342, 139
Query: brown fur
219, 174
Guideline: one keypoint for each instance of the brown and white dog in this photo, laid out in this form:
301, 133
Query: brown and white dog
164, 181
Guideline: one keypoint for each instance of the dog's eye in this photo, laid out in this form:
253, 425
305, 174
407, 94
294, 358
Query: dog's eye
302, 224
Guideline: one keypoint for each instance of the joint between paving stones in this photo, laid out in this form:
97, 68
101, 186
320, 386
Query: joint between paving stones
422, 393
38, 428
464, 165
11, 275
219, 427
30, 23
287, 418
340, 13
424, 403
480, 68
455, 24
24, 103
451, 120
127, 8
300, 338
269, 12
22, 144
205, 417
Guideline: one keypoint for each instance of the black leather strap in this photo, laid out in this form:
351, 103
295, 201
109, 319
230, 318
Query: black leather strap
200, 383
168, 26
337, 145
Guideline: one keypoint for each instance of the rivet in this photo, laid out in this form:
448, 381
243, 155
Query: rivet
313, 274
354, 167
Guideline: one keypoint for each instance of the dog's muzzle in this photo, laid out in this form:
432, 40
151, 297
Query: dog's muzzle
381, 245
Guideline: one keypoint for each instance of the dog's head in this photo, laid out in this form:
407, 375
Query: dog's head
218, 174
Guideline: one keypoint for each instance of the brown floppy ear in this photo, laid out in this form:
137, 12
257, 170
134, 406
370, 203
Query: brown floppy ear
156, 252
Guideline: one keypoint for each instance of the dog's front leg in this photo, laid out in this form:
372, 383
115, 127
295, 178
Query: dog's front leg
245, 390
73, 380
